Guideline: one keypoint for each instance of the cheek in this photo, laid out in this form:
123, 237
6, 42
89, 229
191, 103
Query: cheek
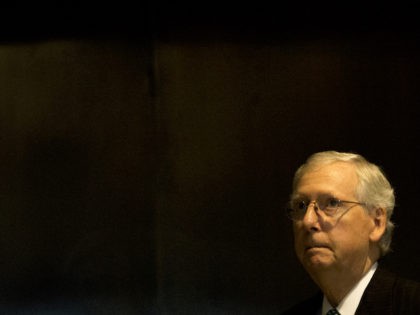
362, 229
352, 238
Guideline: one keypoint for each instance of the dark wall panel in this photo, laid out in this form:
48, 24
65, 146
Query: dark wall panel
240, 117
77, 168
146, 164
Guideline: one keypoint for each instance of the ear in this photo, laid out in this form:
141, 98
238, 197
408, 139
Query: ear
379, 218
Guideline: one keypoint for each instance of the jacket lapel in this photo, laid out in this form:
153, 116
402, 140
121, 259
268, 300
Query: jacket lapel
377, 298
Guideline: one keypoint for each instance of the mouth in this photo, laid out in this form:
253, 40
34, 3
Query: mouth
317, 246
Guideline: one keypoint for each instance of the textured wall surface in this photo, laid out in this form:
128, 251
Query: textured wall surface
77, 169
240, 117
145, 164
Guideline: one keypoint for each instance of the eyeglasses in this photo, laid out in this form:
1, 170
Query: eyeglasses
327, 205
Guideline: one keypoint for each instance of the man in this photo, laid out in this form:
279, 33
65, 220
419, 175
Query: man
341, 206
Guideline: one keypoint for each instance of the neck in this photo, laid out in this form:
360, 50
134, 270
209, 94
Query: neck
337, 283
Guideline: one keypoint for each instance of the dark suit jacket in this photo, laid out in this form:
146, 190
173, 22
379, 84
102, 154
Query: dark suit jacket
386, 294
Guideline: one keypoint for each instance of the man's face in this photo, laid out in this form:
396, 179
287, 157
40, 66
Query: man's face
325, 243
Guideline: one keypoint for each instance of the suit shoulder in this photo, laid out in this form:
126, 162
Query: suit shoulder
389, 291
407, 296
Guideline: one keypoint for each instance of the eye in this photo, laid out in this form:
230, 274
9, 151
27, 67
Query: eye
333, 203
299, 205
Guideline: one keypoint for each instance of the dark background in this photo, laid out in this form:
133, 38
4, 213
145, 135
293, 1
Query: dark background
147, 150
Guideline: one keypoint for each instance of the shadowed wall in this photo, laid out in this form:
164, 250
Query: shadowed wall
240, 118
78, 167
147, 173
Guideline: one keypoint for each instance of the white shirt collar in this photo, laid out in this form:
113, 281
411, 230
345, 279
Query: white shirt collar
351, 301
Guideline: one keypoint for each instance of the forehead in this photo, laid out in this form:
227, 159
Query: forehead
338, 178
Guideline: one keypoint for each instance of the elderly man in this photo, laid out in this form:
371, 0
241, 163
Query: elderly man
341, 207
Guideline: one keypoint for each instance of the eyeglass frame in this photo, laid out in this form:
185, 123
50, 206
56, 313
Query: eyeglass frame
290, 210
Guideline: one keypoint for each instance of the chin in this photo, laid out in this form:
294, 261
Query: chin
317, 261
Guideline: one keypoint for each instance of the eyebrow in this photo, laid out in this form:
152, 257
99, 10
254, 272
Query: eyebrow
305, 196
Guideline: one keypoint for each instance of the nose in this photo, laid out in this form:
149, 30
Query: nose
311, 219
